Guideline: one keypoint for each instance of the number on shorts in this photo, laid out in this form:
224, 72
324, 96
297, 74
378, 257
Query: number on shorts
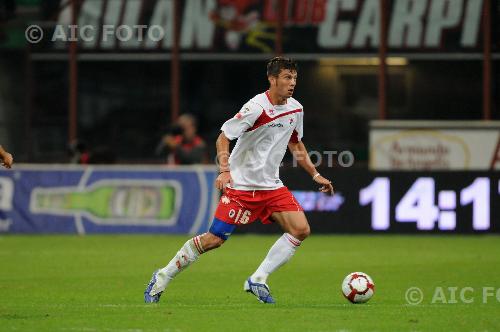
243, 217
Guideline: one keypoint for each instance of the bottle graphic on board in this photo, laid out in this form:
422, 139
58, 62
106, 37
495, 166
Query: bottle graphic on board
117, 202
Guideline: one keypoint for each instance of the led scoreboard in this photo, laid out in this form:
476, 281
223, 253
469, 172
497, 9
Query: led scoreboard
428, 207
405, 202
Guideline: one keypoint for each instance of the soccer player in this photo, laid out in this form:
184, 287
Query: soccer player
6, 159
249, 178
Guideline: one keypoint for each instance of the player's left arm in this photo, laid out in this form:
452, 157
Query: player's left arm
300, 154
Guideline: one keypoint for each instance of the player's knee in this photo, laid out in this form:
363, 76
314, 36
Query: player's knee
219, 232
217, 242
301, 233
210, 241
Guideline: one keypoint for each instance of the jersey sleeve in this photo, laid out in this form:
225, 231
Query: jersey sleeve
244, 119
298, 132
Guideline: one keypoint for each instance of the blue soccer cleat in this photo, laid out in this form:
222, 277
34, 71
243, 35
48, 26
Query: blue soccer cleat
261, 291
151, 298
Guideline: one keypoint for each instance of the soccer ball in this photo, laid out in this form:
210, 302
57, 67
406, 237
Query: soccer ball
358, 287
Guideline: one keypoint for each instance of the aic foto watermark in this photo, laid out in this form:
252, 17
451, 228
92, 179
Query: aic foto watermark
327, 158
453, 295
90, 33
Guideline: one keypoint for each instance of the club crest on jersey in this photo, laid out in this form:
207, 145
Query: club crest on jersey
231, 213
225, 200
240, 114
291, 121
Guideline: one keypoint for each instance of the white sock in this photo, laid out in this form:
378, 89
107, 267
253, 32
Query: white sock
187, 255
280, 253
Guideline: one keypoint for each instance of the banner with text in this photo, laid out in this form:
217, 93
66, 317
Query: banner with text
250, 26
431, 147
38, 199
159, 200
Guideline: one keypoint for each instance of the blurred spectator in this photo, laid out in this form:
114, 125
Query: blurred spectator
78, 152
6, 159
81, 154
182, 144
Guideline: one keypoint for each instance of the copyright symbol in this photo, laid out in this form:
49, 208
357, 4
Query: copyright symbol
33, 34
414, 296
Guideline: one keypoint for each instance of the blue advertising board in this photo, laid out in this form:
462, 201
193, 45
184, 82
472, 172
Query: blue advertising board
106, 199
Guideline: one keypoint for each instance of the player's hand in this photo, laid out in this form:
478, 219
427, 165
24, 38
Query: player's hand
7, 160
222, 180
326, 187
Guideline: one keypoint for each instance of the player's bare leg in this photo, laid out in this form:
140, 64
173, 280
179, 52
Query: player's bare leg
296, 228
187, 255
293, 222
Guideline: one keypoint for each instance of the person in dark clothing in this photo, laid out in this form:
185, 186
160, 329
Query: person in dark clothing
183, 145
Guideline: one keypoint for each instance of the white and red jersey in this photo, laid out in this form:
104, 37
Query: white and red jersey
263, 131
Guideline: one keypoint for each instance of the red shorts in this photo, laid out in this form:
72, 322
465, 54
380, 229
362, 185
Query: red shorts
241, 207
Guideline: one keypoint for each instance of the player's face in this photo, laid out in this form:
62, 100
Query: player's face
285, 83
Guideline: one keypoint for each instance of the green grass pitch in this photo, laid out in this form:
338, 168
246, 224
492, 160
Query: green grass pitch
96, 283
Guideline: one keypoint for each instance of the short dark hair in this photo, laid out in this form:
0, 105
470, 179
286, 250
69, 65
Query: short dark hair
276, 64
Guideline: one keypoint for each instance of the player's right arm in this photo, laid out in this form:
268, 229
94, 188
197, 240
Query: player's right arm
224, 177
5, 158
232, 129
